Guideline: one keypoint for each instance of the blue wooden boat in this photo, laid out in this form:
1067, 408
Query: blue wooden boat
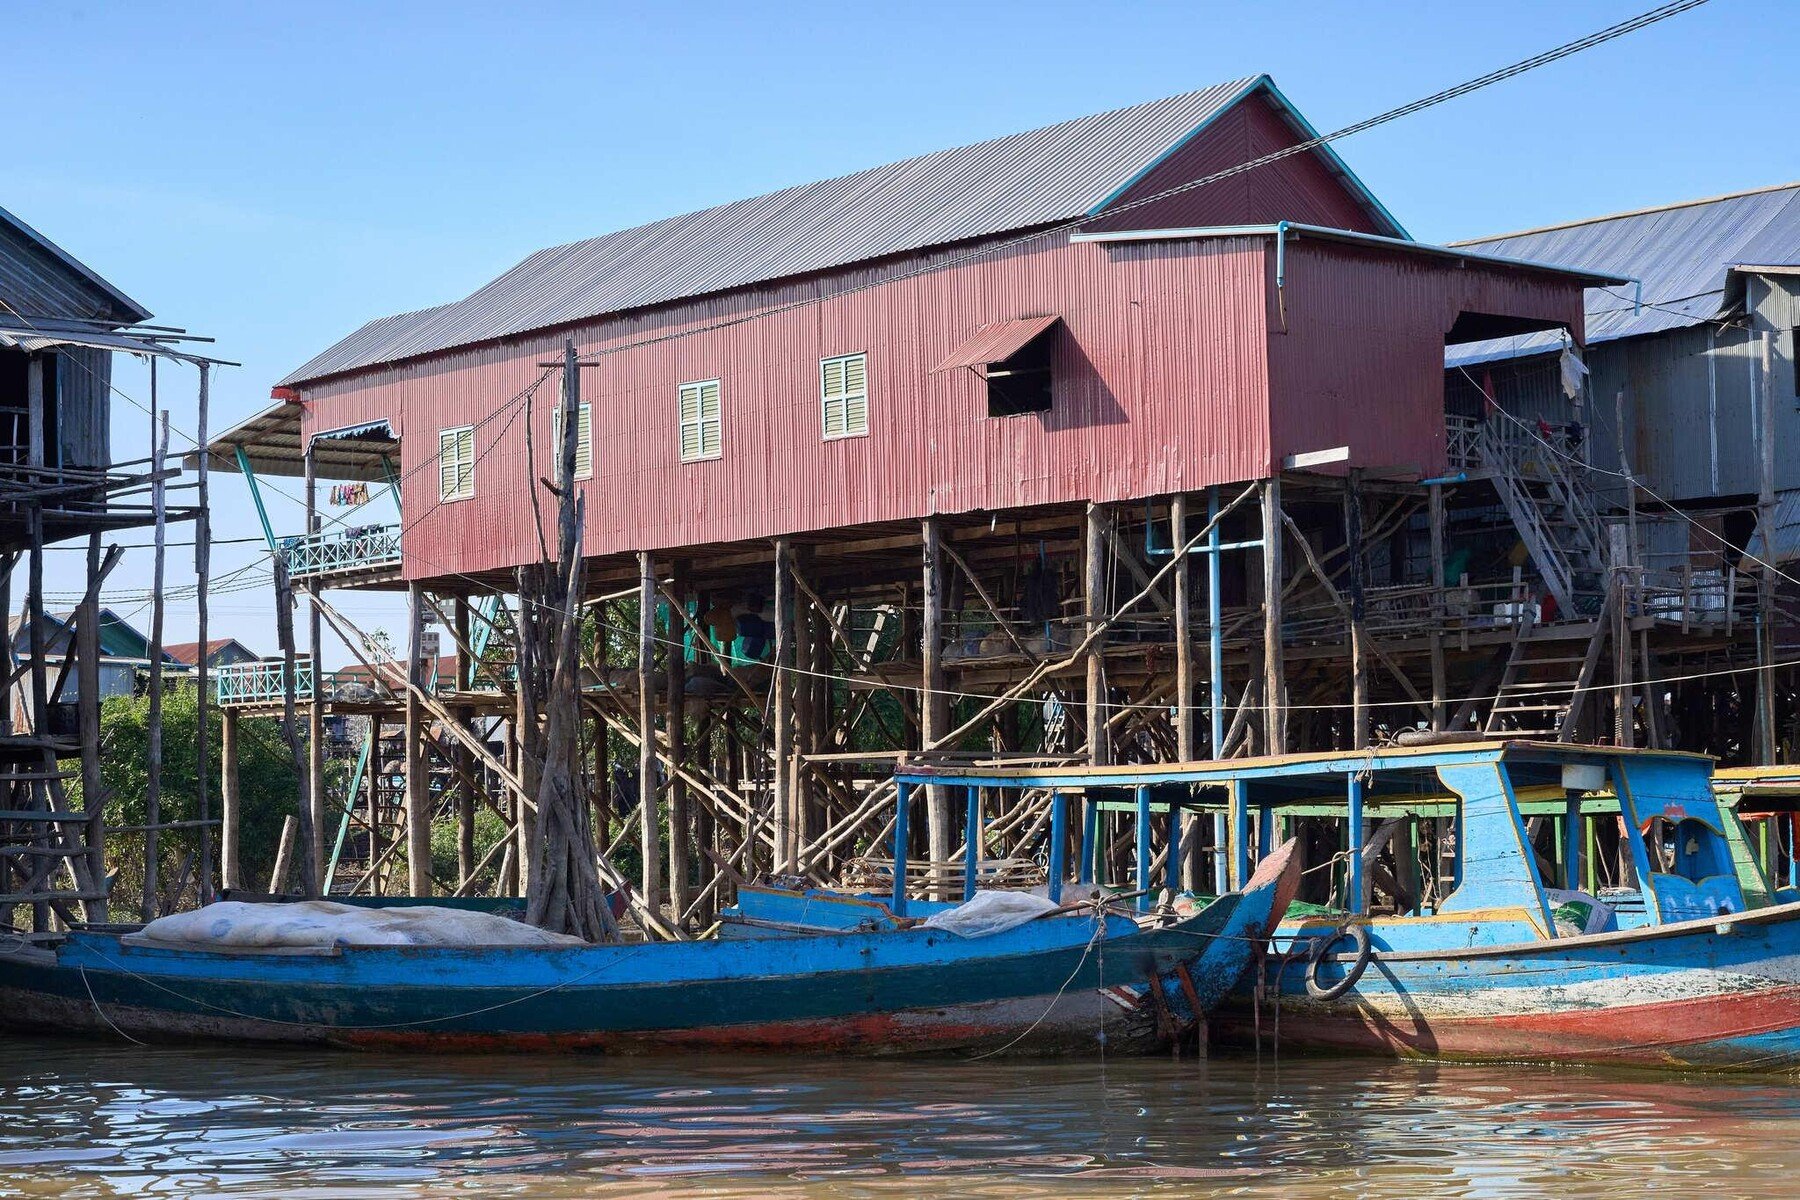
1074, 980
1522, 953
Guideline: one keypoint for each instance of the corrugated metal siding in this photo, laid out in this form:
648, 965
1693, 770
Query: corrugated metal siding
84, 406
1299, 189
1163, 379
1008, 183
1150, 330
1361, 362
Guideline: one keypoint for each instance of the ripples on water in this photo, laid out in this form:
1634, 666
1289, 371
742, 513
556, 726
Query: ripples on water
79, 1120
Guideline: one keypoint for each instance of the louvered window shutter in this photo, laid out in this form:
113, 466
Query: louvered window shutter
844, 393
456, 463
701, 423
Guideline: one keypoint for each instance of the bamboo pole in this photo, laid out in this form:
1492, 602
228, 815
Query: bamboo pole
202, 587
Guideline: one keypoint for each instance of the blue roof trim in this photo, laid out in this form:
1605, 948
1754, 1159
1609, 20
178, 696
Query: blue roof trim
1249, 89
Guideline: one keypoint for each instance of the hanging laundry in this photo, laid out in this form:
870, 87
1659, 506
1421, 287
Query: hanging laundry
349, 495
1573, 371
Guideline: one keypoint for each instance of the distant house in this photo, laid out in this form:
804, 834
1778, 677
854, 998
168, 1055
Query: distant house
220, 652
124, 654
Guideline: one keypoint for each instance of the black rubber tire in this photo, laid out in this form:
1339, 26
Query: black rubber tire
1358, 934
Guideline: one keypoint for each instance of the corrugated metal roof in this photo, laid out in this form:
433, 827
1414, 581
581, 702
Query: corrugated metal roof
1786, 528
1681, 254
997, 342
1052, 174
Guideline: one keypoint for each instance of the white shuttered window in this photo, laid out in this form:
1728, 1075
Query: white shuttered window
844, 395
456, 463
584, 440
702, 421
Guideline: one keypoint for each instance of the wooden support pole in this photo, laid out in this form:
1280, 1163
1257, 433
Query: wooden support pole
934, 704
463, 764
1359, 653
231, 803
1274, 675
1440, 701
1184, 637
649, 824
154, 746
315, 705
202, 587
87, 686
800, 790
1765, 576
1097, 533
418, 777
675, 733
290, 733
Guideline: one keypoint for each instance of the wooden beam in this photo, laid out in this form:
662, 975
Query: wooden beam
1097, 531
649, 822
934, 704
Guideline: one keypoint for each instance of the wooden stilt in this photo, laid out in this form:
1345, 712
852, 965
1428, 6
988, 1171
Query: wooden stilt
1359, 655
202, 586
934, 704
418, 781
1440, 702
153, 768
649, 805
1274, 674
1097, 533
315, 705
231, 807
675, 732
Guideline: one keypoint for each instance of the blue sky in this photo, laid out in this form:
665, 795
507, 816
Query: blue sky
273, 175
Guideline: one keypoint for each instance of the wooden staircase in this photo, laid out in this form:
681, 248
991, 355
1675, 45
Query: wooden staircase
1553, 509
1549, 674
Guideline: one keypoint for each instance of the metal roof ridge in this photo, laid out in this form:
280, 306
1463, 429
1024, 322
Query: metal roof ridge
1630, 212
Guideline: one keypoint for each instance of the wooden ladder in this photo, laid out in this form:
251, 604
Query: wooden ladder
1545, 686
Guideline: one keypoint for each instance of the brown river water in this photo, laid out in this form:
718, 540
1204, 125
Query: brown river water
118, 1120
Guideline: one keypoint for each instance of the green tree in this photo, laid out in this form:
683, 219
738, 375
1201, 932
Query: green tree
267, 782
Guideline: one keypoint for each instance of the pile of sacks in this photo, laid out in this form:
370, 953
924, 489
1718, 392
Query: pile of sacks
322, 924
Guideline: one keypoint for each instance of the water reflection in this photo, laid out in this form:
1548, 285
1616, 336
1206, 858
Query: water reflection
115, 1121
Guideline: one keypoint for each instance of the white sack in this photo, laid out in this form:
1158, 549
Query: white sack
991, 912
322, 923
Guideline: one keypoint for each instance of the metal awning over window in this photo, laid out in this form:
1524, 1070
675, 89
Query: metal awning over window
994, 344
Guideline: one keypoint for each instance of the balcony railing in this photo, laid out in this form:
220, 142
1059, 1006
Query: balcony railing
341, 551
260, 683
243, 685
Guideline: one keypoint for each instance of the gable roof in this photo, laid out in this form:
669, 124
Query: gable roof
56, 281
1058, 173
1682, 253
189, 652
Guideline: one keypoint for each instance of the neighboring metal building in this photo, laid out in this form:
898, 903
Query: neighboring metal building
1683, 344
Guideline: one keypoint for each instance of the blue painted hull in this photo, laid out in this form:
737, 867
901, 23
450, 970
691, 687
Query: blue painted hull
1063, 983
1715, 994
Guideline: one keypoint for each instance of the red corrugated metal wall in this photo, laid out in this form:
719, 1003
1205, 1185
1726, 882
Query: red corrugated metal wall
1160, 385
1300, 188
1360, 363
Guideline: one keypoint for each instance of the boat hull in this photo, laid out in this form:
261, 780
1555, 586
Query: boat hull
1073, 983
1716, 994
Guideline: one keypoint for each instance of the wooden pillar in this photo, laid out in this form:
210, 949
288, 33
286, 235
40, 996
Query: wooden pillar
231, 802
1765, 576
800, 788
87, 686
154, 740
526, 764
675, 725
649, 827
202, 587
418, 781
464, 767
315, 707
372, 782
1440, 701
1184, 636
1097, 533
934, 704
1359, 651
1274, 674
